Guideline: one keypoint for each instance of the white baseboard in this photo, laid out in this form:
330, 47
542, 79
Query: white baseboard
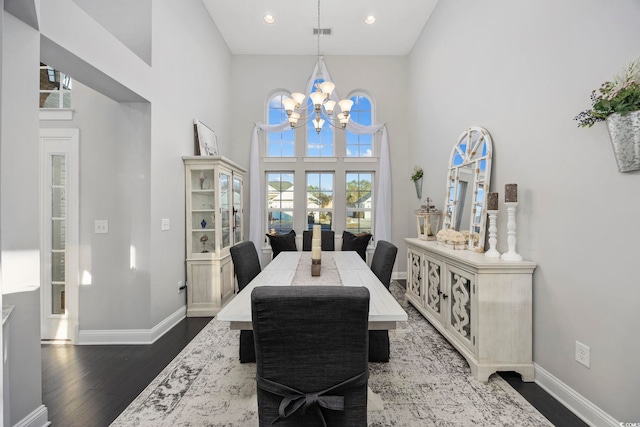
38, 418
574, 401
400, 275
131, 336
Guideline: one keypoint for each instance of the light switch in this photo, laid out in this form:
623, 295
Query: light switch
102, 226
165, 224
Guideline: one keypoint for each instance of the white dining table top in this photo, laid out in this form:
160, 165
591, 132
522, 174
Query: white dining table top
384, 310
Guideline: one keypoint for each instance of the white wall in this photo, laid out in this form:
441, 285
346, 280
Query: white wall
114, 185
191, 79
255, 77
523, 70
19, 168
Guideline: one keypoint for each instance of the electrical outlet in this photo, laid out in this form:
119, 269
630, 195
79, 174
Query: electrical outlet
583, 354
101, 226
165, 225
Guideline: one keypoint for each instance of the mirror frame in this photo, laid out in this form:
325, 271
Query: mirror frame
472, 155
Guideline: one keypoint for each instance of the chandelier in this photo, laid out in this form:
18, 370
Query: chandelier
323, 105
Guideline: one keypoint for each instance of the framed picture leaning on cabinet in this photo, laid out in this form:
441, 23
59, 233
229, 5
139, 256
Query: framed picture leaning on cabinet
206, 140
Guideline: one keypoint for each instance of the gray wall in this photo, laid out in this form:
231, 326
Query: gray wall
131, 169
20, 172
523, 70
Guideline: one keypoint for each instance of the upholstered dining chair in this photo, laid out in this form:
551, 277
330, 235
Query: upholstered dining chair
246, 265
311, 367
382, 262
328, 242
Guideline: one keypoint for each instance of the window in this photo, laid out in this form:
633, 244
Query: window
362, 113
280, 196
319, 144
279, 144
55, 88
320, 200
359, 202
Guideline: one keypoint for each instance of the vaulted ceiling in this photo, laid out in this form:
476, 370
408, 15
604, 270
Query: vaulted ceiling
398, 24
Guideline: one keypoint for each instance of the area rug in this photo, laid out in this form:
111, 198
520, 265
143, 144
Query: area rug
426, 383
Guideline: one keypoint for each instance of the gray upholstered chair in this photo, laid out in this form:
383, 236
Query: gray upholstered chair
246, 265
311, 355
382, 262
328, 242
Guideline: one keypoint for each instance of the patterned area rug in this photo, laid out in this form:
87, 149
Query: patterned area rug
426, 383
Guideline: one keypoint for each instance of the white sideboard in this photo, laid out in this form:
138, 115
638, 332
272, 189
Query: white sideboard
483, 306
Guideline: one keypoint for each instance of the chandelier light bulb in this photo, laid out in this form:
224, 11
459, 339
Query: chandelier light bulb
289, 105
318, 123
269, 19
370, 19
317, 98
345, 106
329, 106
326, 88
299, 98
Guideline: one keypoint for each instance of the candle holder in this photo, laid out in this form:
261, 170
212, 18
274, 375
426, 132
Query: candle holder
493, 235
511, 254
315, 267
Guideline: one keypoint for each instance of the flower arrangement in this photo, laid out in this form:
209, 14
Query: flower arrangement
622, 96
417, 173
450, 235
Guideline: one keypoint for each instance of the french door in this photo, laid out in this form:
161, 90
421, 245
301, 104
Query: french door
59, 166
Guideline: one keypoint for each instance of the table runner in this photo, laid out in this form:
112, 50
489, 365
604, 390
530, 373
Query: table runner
328, 271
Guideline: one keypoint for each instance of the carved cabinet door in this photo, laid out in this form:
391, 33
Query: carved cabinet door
461, 303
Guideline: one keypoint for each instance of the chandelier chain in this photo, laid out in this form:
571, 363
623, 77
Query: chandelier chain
319, 29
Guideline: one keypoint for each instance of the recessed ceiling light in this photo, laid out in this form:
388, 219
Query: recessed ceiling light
269, 19
370, 19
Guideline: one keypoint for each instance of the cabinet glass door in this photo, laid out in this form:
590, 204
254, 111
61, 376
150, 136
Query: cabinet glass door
237, 210
225, 208
203, 215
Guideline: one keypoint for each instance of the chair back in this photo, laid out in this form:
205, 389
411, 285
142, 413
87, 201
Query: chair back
382, 262
312, 349
246, 263
328, 242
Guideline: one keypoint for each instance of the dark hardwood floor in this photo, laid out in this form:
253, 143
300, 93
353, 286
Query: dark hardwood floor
88, 386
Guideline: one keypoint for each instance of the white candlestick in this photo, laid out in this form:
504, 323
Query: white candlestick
316, 231
511, 254
316, 243
493, 235
315, 252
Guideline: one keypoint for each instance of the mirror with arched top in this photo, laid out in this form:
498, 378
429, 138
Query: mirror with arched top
467, 186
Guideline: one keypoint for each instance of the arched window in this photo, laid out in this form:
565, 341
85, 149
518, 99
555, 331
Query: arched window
319, 144
362, 113
279, 144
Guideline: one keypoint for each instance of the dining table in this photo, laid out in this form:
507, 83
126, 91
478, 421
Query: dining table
339, 268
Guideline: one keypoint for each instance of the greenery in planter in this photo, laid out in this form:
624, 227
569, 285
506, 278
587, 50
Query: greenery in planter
417, 173
622, 95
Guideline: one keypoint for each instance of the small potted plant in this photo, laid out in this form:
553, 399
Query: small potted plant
416, 177
618, 103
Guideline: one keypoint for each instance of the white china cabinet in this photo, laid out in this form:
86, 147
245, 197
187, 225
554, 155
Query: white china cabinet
214, 223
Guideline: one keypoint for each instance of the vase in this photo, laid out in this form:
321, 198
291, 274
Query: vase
625, 139
418, 183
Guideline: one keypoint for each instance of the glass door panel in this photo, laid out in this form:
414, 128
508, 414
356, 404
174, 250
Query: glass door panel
225, 208
237, 210
58, 223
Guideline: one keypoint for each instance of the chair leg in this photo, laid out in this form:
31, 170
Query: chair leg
247, 349
379, 346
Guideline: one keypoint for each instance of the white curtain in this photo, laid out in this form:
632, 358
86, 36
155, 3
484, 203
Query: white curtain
382, 228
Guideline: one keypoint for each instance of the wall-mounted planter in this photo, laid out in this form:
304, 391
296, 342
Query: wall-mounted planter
418, 183
625, 139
